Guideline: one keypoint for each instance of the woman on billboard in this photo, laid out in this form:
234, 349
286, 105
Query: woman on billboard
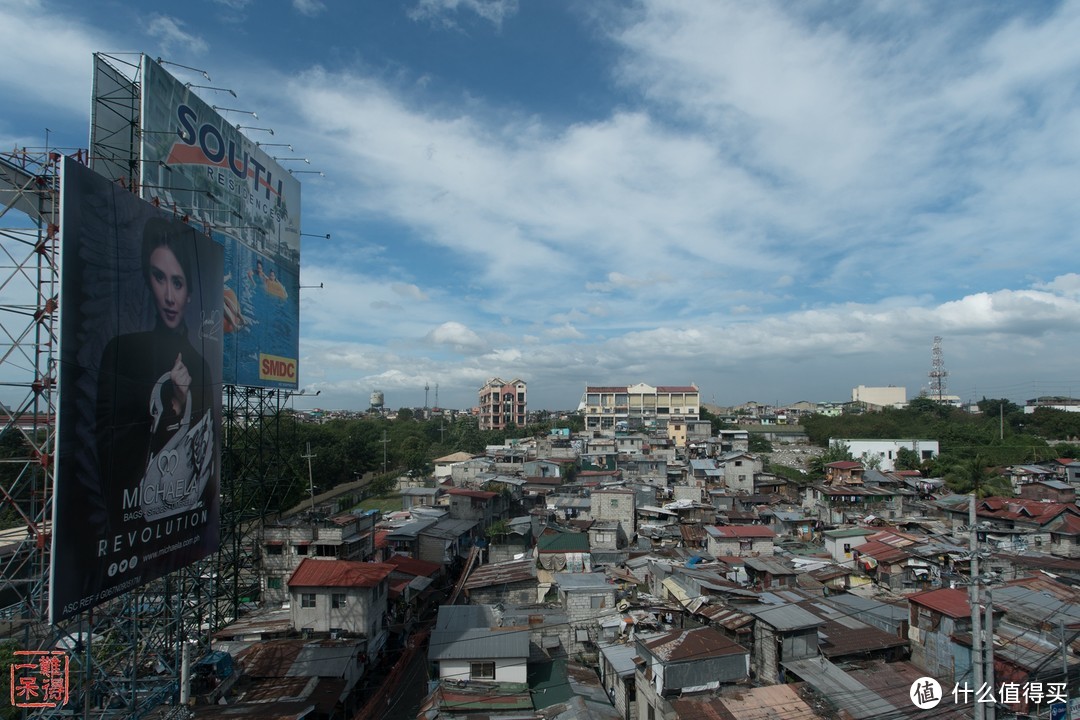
155, 396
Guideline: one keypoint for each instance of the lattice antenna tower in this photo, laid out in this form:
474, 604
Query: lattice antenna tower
938, 373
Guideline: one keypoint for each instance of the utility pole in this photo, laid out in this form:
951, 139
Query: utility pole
973, 600
988, 646
311, 479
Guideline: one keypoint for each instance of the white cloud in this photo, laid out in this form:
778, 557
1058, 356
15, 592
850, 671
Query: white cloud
311, 8
409, 291
457, 336
445, 12
173, 38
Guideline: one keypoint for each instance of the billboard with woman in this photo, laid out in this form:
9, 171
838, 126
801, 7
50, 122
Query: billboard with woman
141, 325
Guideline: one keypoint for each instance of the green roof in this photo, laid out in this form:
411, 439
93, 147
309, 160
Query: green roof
563, 542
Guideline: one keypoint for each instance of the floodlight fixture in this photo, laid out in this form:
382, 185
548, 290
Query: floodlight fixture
189, 86
252, 113
186, 67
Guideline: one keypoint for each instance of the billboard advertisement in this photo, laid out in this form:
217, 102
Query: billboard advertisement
199, 164
139, 418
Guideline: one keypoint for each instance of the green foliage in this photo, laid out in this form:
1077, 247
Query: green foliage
499, 528
907, 459
7, 658
759, 443
716, 423
961, 435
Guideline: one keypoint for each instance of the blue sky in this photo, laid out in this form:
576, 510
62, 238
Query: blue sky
775, 201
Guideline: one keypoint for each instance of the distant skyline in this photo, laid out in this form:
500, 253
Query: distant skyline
774, 201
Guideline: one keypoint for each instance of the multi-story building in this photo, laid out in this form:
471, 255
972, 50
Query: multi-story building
639, 406
503, 404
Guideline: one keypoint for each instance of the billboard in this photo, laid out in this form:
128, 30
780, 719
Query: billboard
193, 161
139, 418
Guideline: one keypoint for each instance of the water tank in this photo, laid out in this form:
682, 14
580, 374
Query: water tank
377, 399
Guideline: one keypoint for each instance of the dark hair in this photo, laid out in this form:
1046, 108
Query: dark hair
178, 236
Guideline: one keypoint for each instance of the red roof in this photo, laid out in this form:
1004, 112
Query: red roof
744, 531
420, 568
380, 539
339, 573
845, 465
948, 601
882, 552
1022, 509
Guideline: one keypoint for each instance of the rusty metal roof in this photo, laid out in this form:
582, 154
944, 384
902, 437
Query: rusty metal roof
692, 644
339, 573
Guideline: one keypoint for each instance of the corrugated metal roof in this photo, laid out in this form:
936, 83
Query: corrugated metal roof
572, 582
620, 657
851, 695
472, 632
740, 531
692, 644
786, 617
948, 601
502, 573
339, 573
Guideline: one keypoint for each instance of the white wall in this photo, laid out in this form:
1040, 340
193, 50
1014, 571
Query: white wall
506, 669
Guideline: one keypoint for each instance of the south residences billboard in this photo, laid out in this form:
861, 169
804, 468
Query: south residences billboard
196, 162
141, 333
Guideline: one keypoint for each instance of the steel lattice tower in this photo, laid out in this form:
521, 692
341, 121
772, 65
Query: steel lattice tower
938, 373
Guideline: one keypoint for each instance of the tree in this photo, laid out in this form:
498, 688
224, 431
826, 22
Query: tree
907, 459
759, 443
404, 415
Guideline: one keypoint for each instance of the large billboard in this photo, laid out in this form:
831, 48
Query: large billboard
139, 417
194, 161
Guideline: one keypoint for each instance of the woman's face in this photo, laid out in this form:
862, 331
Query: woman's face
169, 286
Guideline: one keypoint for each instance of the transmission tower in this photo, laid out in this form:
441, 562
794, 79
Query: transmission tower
938, 373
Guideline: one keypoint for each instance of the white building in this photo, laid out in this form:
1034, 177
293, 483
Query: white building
886, 450
891, 396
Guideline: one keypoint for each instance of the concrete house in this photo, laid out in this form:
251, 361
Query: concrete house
841, 544
617, 666
584, 597
287, 543
739, 470
469, 644
936, 617
513, 582
683, 662
739, 540
615, 504
782, 633
341, 595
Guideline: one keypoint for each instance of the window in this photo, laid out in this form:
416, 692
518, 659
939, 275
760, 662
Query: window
614, 502
274, 582
273, 549
597, 602
301, 549
482, 671
847, 548
338, 600
738, 463
307, 600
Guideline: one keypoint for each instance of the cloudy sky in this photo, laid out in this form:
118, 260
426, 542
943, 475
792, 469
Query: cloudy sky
775, 201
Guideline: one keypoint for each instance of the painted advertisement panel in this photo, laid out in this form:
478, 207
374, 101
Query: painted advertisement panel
199, 164
139, 417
